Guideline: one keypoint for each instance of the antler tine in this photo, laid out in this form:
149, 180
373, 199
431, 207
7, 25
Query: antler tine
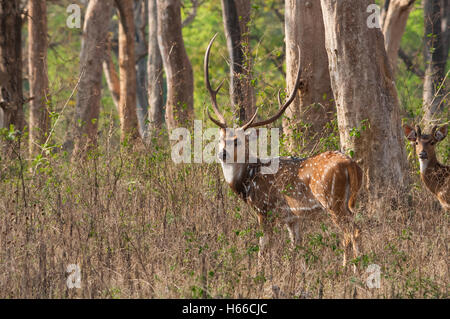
213, 93
287, 103
247, 125
218, 123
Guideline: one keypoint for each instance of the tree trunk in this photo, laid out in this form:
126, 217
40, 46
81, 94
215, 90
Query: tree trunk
154, 71
11, 94
445, 7
112, 79
394, 26
94, 43
140, 17
434, 88
384, 11
127, 101
180, 79
244, 12
236, 15
314, 103
366, 98
37, 74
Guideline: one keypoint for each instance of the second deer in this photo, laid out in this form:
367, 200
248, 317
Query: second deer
434, 175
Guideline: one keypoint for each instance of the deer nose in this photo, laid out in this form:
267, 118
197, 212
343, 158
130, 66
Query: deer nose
423, 155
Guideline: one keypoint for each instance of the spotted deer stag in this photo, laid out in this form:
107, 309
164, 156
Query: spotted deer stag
301, 187
434, 175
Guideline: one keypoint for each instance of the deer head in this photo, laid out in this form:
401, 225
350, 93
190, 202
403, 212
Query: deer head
237, 139
425, 143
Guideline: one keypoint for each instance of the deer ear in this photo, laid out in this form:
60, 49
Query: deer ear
410, 133
441, 133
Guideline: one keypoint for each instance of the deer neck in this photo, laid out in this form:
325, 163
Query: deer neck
234, 173
431, 171
427, 165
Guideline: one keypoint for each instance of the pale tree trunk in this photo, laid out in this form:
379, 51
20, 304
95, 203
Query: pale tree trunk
435, 56
11, 94
366, 98
127, 102
384, 11
314, 102
140, 17
154, 71
112, 79
37, 74
180, 79
236, 15
394, 26
445, 7
94, 43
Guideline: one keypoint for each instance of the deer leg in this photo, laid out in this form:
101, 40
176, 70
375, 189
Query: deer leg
265, 239
350, 234
356, 240
347, 242
293, 226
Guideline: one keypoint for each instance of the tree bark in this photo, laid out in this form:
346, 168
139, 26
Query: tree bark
236, 15
37, 74
244, 12
140, 17
434, 88
384, 11
112, 79
11, 94
445, 7
180, 79
366, 98
154, 71
127, 102
94, 43
394, 26
314, 103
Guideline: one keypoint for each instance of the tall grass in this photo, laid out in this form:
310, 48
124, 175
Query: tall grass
140, 226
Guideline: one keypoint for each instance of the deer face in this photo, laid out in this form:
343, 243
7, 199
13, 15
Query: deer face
425, 143
235, 146
234, 142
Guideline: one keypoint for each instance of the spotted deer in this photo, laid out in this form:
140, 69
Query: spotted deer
433, 174
301, 187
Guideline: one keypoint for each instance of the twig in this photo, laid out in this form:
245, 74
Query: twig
62, 111
436, 94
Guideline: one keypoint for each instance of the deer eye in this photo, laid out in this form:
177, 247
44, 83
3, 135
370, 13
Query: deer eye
417, 143
431, 143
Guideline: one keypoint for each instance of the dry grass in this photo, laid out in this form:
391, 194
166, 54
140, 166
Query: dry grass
141, 227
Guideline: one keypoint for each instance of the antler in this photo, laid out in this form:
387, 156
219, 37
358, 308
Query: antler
283, 107
213, 93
